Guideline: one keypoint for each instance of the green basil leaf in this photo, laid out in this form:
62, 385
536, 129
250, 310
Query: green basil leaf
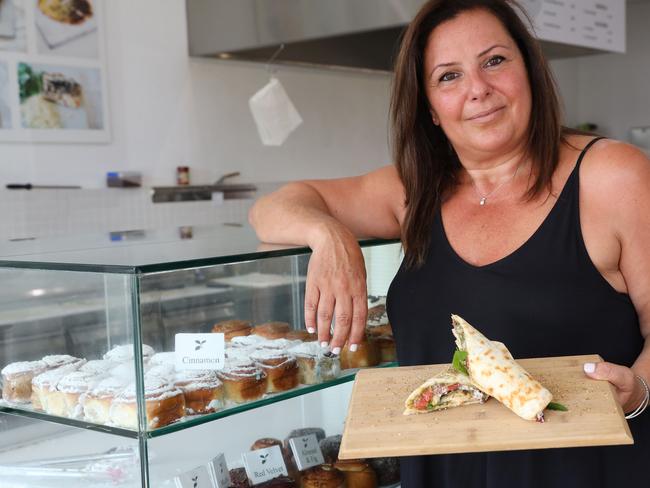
459, 361
556, 406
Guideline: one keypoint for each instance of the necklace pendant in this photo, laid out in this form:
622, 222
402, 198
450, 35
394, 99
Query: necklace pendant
482, 202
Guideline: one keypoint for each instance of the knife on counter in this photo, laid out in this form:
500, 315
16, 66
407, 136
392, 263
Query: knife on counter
29, 186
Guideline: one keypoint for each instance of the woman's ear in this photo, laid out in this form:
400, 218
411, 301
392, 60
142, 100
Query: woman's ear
434, 117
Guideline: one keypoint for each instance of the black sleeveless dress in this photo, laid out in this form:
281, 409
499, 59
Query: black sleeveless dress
545, 299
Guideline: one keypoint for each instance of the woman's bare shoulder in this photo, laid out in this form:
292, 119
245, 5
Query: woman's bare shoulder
618, 173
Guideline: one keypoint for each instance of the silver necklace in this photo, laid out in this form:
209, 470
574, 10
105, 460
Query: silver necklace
483, 198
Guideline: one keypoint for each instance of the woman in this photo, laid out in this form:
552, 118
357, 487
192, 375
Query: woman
536, 234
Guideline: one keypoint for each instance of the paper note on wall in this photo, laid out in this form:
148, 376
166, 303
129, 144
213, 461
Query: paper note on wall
274, 113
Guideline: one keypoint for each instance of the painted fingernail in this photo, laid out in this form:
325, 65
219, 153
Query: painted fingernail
353, 347
323, 344
336, 350
589, 367
311, 330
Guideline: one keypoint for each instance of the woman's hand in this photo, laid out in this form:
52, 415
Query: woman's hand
336, 287
629, 391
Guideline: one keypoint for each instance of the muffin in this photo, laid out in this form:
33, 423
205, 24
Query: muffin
243, 381
323, 476
202, 389
17, 380
358, 473
366, 355
272, 330
238, 478
232, 328
330, 448
315, 363
280, 367
301, 335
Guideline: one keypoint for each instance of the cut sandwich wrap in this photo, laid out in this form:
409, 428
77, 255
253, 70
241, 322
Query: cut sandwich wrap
492, 368
447, 389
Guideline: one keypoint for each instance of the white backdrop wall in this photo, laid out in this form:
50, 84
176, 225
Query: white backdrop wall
168, 109
615, 89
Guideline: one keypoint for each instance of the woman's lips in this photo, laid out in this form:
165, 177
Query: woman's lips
486, 115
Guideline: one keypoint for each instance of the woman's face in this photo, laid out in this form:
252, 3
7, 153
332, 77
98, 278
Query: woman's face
477, 84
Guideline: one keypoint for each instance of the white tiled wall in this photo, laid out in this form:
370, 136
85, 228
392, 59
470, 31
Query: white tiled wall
40, 213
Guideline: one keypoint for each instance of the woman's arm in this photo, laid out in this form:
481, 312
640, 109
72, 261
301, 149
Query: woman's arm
329, 216
621, 176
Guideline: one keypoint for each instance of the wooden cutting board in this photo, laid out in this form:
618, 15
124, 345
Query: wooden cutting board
376, 427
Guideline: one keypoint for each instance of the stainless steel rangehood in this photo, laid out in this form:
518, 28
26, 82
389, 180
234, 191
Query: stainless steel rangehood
364, 34
342, 33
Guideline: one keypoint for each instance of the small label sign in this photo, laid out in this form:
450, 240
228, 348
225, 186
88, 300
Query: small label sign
199, 351
219, 471
306, 451
264, 464
195, 478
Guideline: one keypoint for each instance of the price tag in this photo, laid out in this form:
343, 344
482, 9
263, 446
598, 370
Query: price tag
306, 451
219, 472
264, 464
199, 351
195, 478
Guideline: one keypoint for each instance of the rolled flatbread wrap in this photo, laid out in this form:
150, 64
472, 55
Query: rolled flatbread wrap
447, 389
494, 371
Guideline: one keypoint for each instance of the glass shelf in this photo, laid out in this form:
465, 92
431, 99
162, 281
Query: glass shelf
190, 421
147, 251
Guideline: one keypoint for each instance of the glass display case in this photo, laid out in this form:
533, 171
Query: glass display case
163, 358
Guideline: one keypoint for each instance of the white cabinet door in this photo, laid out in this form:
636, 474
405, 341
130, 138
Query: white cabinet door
598, 24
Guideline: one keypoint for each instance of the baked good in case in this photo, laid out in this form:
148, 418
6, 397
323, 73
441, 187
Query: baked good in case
17, 380
272, 330
163, 358
98, 366
65, 401
366, 355
249, 341
357, 472
382, 335
386, 347
387, 469
97, 402
123, 353
164, 404
315, 363
301, 335
203, 390
238, 478
58, 360
44, 385
243, 381
232, 328
376, 311
279, 482
330, 448
265, 442
323, 476
280, 367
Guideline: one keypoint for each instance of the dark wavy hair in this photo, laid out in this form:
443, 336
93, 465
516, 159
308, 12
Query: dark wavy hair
426, 162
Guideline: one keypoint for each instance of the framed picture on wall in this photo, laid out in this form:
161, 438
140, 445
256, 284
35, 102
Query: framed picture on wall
55, 90
66, 28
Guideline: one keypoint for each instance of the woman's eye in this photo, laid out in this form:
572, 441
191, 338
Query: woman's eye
448, 77
494, 61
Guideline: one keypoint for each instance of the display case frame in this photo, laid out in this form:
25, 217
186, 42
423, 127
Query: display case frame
126, 270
